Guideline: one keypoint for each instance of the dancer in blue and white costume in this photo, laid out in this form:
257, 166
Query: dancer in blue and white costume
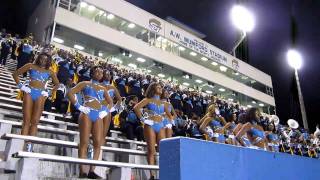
153, 122
168, 123
34, 92
253, 131
92, 113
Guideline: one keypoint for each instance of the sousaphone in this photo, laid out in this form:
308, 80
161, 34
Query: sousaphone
293, 123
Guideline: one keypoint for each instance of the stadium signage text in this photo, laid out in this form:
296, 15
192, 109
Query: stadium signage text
198, 46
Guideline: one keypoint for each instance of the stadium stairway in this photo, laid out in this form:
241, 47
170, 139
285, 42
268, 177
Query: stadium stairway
55, 153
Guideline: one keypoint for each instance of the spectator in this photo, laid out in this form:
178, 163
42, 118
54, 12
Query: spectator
129, 122
6, 48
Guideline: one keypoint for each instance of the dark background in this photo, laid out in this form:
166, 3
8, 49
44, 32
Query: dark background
267, 43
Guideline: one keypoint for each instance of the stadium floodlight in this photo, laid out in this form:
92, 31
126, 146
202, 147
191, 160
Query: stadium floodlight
208, 91
100, 54
294, 59
199, 81
161, 75
242, 18
222, 90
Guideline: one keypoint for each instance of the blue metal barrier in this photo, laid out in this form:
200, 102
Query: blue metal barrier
192, 159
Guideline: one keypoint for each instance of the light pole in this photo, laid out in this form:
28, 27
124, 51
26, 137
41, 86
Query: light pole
243, 20
295, 61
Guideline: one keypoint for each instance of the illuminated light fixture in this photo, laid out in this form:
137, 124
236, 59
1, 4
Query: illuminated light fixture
199, 81
100, 54
235, 73
209, 92
253, 102
214, 63
132, 65
58, 40
249, 106
110, 16
211, 86
223, 68
101, 13
186, 76
91, 8
244, 77
242, 18
104, 15
161, 75
253, 81
149, 71
122, 32
117, 60
186, 84
204, 59
83, 4
222, 90
294, 59
230, 99
193, 53
131, 25
261, 105
182, 48
141, 59
78, 47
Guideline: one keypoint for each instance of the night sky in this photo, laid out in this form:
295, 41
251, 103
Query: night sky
268, 42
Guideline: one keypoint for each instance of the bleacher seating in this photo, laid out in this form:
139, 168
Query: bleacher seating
55, 147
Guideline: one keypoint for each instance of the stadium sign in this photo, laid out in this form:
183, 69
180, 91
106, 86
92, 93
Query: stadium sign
197, 45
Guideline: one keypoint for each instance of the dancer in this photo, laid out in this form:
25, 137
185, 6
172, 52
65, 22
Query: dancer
153, 119
115, 97
92, 113
35, 92
253, 130
167, 123
212, 125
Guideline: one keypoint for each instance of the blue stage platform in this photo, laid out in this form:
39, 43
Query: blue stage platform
192, 159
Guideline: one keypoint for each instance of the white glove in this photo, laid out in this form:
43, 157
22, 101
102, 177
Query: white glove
45, 93
84, 109
216, 135
112, 109
103, 114
148, 122
169, 126
210, 132
173, 123
26, 89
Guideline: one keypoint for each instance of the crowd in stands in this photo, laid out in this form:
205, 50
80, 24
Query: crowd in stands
196, 114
